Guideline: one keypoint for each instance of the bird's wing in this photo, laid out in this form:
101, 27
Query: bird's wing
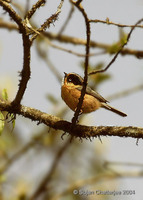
93, 93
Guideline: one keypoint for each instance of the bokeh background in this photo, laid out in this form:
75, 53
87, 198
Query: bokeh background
81, 160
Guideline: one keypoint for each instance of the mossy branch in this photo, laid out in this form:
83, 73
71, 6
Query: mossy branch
80, 131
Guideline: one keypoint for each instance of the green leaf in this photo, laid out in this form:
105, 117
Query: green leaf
123, 37
114, 48
2, 178
4, 94
100, 77
2, 122
52, 99
13, 120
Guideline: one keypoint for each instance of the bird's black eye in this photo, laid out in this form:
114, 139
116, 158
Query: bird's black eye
76, 80
69, 80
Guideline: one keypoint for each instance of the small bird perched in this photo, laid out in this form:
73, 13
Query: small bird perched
71, 90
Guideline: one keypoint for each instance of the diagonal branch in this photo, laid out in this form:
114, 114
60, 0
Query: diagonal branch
47, 23
67, 20
6, 6
119, 51
34, 8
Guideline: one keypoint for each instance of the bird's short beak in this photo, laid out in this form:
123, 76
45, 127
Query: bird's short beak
65, 74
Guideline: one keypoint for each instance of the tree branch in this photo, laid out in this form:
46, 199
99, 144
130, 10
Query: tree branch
6, 6
118, 52
87, 49
69, 17
47, 23
79, 130
108, 22
7, 25
25, 73
93, 44
34, 8
78, 41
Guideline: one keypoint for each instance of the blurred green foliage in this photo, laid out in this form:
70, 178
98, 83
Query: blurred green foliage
2, 122
115, 47
99, 78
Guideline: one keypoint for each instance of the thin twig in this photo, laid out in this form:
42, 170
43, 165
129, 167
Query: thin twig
77, 41
70, 51
113, 23
67, 20
34, 8
116, 55
49, 21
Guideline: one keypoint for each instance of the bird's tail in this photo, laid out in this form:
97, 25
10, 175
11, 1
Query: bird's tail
108, 107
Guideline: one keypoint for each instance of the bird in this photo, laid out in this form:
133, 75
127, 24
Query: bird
72, 85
